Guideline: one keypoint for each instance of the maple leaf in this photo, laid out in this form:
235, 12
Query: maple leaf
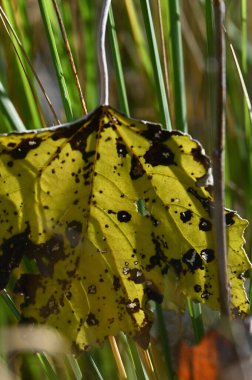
106, 207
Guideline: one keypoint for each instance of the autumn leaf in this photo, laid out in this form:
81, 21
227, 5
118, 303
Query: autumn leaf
106, 207
217, 356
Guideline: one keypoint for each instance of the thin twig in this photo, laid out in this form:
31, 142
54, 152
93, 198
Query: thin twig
243, 84
70, 56
5, 18
118, 359
101, 53
146, 360
218, 158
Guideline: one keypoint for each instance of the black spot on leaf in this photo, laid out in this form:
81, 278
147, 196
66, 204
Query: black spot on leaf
197, 288
207, 255
186, 216
121, 149
91, 320
205, 225
193, 260
229, 219
123, 216
206, 294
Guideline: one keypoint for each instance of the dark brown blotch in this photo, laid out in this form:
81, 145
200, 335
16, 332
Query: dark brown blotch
136, 275
155, 134
206, 203
13, 250
133, 306
116, 283
21, 150
136, 170
50, 308
73, 232
92, 289
177, 266
92, 320
200, 157
27, 285
193, 260
159, 154
153, 294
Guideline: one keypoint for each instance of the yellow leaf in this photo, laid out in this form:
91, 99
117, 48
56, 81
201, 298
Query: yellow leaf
106, 206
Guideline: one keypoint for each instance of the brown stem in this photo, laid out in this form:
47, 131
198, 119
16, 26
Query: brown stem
218, 158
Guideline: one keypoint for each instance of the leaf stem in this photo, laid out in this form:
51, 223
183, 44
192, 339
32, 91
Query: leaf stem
101, 53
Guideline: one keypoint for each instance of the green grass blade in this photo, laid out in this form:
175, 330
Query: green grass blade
25, 25
8, 109
11, 306
195, 312
157, 70
96, 372
22, 86
40, 356
49, 370
178, 66
136, 359
75, 367
139, 41
87, 13
164, 342
123, 101
56, 60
